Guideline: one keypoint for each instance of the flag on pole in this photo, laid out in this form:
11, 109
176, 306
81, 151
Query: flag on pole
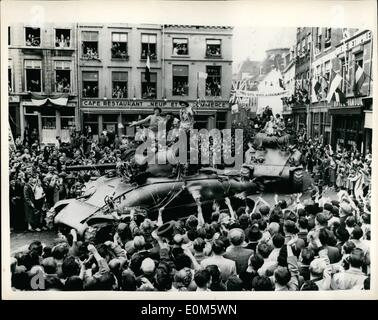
202, 75
359, 79
317, 87
148, 67
339, 96
334, 85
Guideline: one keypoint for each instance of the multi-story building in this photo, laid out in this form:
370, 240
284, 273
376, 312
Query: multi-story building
42, 80
352, 118
288, 74
302, 77
191, 63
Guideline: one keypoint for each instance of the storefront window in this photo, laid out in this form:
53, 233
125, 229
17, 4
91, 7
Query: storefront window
180, 80
62, 76
90, 45
67, 123
48, 122
90, 120
119, 85
213, 81
33, 75
32, 37
149, 46
149, 89
213, 48
180, 46
119, 46
90, 84
62, 38
221, 120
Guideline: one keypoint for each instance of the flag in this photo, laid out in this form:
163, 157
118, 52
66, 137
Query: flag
148, 67
202, 75
58, 99
317, 87
339, 96
334, 85
359, 79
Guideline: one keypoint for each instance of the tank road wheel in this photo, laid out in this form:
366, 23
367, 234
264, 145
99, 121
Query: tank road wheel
298, 180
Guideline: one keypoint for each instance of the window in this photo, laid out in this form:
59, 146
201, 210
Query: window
90, 84
180, 47
90, 44
48, 122
359, 59
303, 45
91, 120
213, 48
180, 76
33, 75
62, 38
119, 46
327, 70
119, 84
221, 120
213, 81
327, 38
33, 37
62, 76
309, 40
149, 46
149, 89
9, 36
10, 80
318, 43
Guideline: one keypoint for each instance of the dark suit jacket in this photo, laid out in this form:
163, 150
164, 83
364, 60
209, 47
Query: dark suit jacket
240, 255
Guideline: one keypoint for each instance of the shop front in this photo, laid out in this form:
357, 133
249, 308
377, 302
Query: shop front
118, 114
299, 115
347, 127
14, 115
49, 121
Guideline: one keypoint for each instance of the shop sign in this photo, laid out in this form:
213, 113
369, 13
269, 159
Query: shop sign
365, 37
131, 103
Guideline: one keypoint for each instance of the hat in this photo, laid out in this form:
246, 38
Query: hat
236, 236
148, 266
317, 266
166, 229
184, 103
264, 210
328, 207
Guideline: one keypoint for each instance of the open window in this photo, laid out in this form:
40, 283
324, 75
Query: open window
149, 46
213, 48
327, 38
90, 84
10, 87
119, 45
32, 37
62, 76
90, 45
62, 38
180, 76
33, 70
213, 81
180, 47
149, 89
119, 85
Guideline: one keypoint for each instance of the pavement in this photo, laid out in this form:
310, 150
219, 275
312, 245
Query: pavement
21, 240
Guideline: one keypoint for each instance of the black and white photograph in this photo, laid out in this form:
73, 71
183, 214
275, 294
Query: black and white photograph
187, 157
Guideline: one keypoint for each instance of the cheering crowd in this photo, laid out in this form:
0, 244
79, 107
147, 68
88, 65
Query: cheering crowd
305, 242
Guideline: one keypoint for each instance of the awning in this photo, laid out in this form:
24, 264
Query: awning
58, 99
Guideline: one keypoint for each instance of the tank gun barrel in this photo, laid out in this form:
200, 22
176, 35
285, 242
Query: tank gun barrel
105, 166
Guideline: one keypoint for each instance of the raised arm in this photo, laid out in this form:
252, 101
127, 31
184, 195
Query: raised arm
137, 123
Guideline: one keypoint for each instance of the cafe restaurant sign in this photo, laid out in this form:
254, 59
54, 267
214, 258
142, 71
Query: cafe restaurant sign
137, 103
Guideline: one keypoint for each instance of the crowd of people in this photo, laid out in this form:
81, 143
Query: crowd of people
32, 40
118, 51
90, 53
297, 243
180, 49
119, 92
213, 88
62, 41
62, 84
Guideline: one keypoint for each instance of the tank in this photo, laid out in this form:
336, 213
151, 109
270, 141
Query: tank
108, 199
276, 158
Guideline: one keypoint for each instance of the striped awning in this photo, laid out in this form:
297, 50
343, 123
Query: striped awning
57, 99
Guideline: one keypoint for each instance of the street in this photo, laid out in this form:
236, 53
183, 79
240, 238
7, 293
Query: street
21, 240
